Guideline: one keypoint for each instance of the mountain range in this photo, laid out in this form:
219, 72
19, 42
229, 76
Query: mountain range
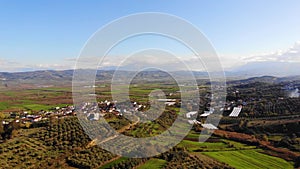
252, 69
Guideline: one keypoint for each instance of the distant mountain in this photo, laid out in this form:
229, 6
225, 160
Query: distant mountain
38, 75
262, 79
67, 75
254, 71
268, 68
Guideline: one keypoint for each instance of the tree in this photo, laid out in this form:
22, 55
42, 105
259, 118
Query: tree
1, 125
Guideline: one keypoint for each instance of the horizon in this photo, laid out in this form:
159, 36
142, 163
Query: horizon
228, 74
150, 85
43, 35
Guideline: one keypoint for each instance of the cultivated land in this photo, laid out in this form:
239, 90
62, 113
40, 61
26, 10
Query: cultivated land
264, 135
248, 159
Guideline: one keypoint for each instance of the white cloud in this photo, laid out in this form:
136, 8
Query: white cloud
156, 59
54, 66
152, 59
289, 55
149, 58
9, 66
13, 66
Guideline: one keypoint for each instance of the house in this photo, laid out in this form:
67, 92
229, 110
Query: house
193, 122
5, 122
190, 114
236, 111
170, 103
33, 118
209, 126
206, 113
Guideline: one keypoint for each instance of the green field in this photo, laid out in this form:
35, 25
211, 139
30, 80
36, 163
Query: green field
194, 146
36, 107
217, 146
235, 154
153, 164
245, 159
34, 99
109, 165
4, 105
46, 146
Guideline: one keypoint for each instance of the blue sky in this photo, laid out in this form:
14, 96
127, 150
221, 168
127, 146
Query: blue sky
49, 34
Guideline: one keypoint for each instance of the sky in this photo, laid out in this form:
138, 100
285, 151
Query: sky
50, 34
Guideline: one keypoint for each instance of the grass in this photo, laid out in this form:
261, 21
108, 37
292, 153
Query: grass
109, 165
35, 99
9, 93
147, 130
206, 146
193, 135
221, 145
275, 137
153, 163
57, 89
36, 107
244, 159
237, 145
4, 105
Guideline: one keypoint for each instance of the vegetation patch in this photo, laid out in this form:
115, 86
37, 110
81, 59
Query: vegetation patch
245, 159
153, 164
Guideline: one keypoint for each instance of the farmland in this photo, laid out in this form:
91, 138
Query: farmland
16, 99
249, 159
59, 141
153, 163
236, 154
65, 140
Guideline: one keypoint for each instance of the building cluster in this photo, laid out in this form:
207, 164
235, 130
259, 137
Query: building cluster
93, 111
28, 117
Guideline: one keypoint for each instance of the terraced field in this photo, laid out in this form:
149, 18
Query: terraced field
235, 154
221, 145
245, 159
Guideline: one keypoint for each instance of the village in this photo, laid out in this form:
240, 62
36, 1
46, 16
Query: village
60, 128
232, 107
95, 111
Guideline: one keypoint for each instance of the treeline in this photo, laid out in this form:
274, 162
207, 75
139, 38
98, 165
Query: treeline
7, 130
262, 100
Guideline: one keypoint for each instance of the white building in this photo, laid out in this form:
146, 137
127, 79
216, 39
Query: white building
190, 114
235, 112
209, 126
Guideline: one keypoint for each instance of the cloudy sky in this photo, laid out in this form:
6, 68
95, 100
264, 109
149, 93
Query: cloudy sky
39, 35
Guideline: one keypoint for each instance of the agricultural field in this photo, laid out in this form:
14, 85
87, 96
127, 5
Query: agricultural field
34, 99
153, 164
245, 159
235, 154
114, 162
60, 142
